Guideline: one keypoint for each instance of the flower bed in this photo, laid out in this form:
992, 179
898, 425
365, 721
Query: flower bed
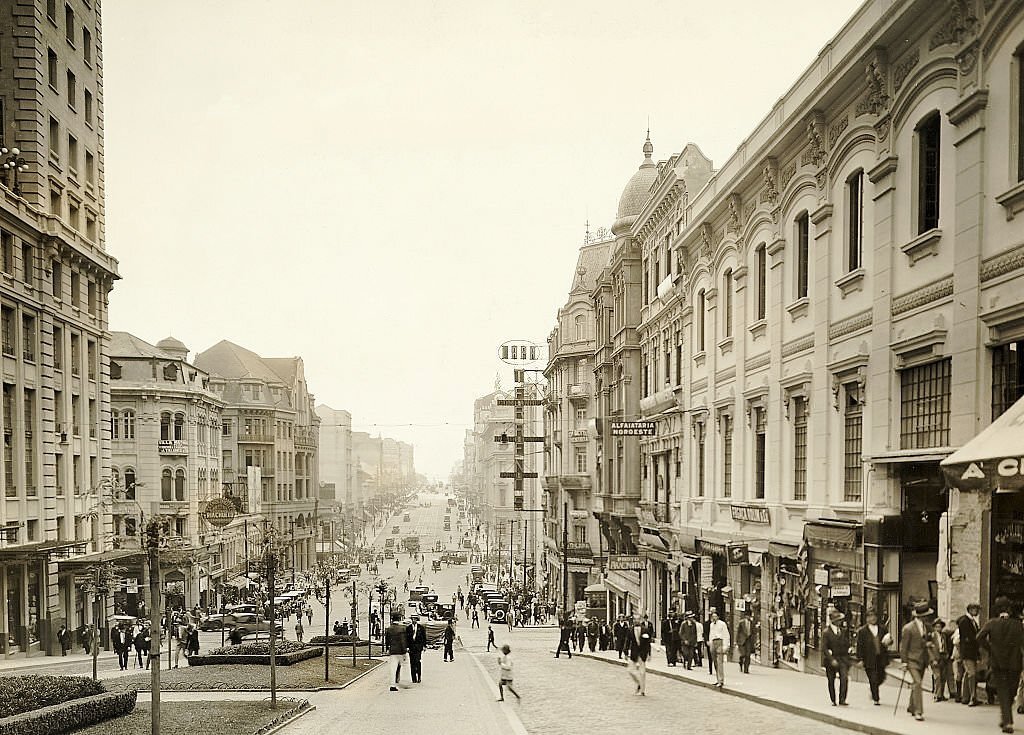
286, 654
70, 715
25, 693
258, 648
336, 640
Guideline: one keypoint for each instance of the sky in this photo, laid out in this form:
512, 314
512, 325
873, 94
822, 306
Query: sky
391, 189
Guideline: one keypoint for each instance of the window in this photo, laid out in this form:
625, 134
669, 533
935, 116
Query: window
179, 485
51, 68
128, 424
28, 337
87, 103
76, 289
853, 429
76, 355
165, 427
51, 11
87, 45
760, 256
55, 202
581, 328
129, 483
90, 354
581, 460
69, 24
7, 324
855, 215
76, 415
90, 168
54, 138
7, 252
179, 426
799, 409
91, 300
679, 358
30, 453
699, 321
727, 303
10, 489
166, 480
924, 405
727, 456
72, 153
90, 227
73, 218
26, 263
72, 89
58, 348
93, 420
56, 279
698, 428
225, 428
928, 173
115, 425
802, 255
759, 451
1007, 376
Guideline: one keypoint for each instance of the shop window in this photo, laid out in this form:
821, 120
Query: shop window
924, 405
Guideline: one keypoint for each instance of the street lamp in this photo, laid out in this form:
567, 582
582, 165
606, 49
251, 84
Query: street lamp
15, 164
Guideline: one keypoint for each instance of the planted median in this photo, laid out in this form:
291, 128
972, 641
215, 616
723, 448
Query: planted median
51, 705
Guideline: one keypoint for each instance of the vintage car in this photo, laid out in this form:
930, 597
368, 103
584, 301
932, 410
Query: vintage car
436, 565
252, 624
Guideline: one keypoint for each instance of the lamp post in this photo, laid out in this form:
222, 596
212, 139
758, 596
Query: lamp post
15, 164
322, 576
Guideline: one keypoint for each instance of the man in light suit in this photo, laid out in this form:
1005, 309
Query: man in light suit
914, 653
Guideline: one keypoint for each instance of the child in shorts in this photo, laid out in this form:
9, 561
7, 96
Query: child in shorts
505, 675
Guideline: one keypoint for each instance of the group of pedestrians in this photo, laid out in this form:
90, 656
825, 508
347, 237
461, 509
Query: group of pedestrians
406, 643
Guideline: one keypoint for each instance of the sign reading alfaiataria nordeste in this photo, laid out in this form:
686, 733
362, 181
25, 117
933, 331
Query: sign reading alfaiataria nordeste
633, 428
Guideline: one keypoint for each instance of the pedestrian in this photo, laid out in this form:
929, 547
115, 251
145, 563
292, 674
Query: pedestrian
668, 638
707, 643
1003, 637
639, 638
416, 643
603, 637
873, 643
581, 635
593, 630
744, 641
64, 639
688, 639
142, 642
299, 630
941, 654
449, 641
121, 644
395, 641
505, 673
181, 647
718, 642
968, 626
564, 639
619, 632
309, 614
914, 654
192, 641
490, 638
835, 656
476, 619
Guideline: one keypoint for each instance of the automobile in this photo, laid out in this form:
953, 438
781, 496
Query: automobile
389, 553
244, 607
436, 565
282, 600
355, 570
212, 622
428, 602
252, 624
396, 529
443, 611
497, 611
459, 557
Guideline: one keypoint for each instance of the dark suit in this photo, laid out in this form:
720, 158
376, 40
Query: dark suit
745, 642
940, 646
688, 640
619, 632
1003, 637
969, 655
669, 639
565, 634
873, 654
416, 638
835, 657
120, 642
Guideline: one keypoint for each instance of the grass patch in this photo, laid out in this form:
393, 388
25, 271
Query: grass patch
308, 674
240, 718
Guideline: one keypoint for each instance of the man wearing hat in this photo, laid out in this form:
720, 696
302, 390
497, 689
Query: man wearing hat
835, 656
914, 653
688, 638
967, 627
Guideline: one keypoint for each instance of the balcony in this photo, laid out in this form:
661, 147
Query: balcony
579, 393
178, 447
660, 402
577, 482
305, 438
255, 439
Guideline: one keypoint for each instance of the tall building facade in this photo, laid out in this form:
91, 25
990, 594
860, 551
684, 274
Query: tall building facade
269, 441
55, 276
336, 454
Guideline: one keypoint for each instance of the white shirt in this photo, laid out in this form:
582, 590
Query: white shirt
505, 664
719, 629
873, 629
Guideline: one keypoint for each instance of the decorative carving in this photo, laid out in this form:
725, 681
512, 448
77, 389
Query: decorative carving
705, 240
822, 179
837, 129
882, 126
787, 175
921, 296
797, 345
967, 59
748, 210
904, 67
735, 207
717, 237
758, 361
770, 174
876, 100
1006, 262
815, 152
858, 377
852, 324
960, 22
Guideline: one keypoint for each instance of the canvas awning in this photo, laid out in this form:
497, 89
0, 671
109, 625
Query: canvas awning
994, 458
831, 534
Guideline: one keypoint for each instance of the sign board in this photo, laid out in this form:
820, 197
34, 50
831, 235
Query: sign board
741, 604
821, 576
750, 513
840, 590
633, 428
839, 576
575, 567
131, 585
707, 570
219, 512
626, 563
738, 554
579, 514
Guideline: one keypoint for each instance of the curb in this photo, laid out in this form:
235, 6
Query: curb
353, 680
774, 703
282, 725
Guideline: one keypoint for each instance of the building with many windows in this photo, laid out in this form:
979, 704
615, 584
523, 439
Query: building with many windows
54, 279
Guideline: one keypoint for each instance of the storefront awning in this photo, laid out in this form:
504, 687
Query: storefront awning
596, 588
653, 540
88, 560
42, 550
783, 549
832, 534
994, 458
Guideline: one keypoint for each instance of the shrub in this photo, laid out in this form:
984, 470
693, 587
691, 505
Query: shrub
281, 659
25, 693
258, 648
71, 715
334, 640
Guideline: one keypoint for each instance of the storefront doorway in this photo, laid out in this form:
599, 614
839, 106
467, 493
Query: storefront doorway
925, 499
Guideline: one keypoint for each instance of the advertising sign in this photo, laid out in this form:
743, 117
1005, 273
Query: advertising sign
219, 512
840, 590
707, 571
633, 428
626, 563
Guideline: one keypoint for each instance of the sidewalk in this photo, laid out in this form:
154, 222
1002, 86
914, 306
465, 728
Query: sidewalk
783, 688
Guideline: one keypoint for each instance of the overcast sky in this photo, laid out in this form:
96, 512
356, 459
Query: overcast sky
392, 189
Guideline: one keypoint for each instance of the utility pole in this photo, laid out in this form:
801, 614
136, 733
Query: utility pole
565, 560
511, 574
153, 560
525, 524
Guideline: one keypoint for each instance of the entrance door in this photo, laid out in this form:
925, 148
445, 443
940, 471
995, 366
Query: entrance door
1007, 572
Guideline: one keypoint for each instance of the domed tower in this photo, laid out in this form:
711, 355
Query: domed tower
173, 347
637, 190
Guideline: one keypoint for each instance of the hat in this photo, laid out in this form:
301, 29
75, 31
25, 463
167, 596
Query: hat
922, 610
835, 616
688, 614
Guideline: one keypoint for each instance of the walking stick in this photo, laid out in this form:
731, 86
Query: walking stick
903, 680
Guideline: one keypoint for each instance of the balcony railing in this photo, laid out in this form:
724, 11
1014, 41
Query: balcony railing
255, 439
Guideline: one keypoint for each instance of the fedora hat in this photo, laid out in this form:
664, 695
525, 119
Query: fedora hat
835, 616
922, 610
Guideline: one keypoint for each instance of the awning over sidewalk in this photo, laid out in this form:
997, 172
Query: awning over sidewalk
832, 534
994, 458
88, 560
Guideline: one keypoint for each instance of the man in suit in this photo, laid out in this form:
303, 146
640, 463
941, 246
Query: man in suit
744, 641
396, 643
565, 632
688, 638
835, 656
619, 631
120, 642
417, 641
914, 653
639, 638
968, 626
669, 638
1003, 638
941, 654
873, 652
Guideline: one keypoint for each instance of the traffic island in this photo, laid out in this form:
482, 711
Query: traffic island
50, 705
215, 716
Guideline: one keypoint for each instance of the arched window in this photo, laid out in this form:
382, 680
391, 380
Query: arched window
581, 328
165, 427
129, 483
179, 426
128, 424
115, 429
179, 485
115, 478
698, 322
165, 484
727, 303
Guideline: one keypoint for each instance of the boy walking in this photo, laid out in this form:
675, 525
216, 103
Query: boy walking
490, 638
505, 673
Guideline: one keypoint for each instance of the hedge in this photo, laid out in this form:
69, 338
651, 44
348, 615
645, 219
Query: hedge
258, 648
336, 640
24, 693
282, 659
68, 716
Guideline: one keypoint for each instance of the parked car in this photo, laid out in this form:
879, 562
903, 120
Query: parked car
389, 554
252, 624
245, 607
212, 622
